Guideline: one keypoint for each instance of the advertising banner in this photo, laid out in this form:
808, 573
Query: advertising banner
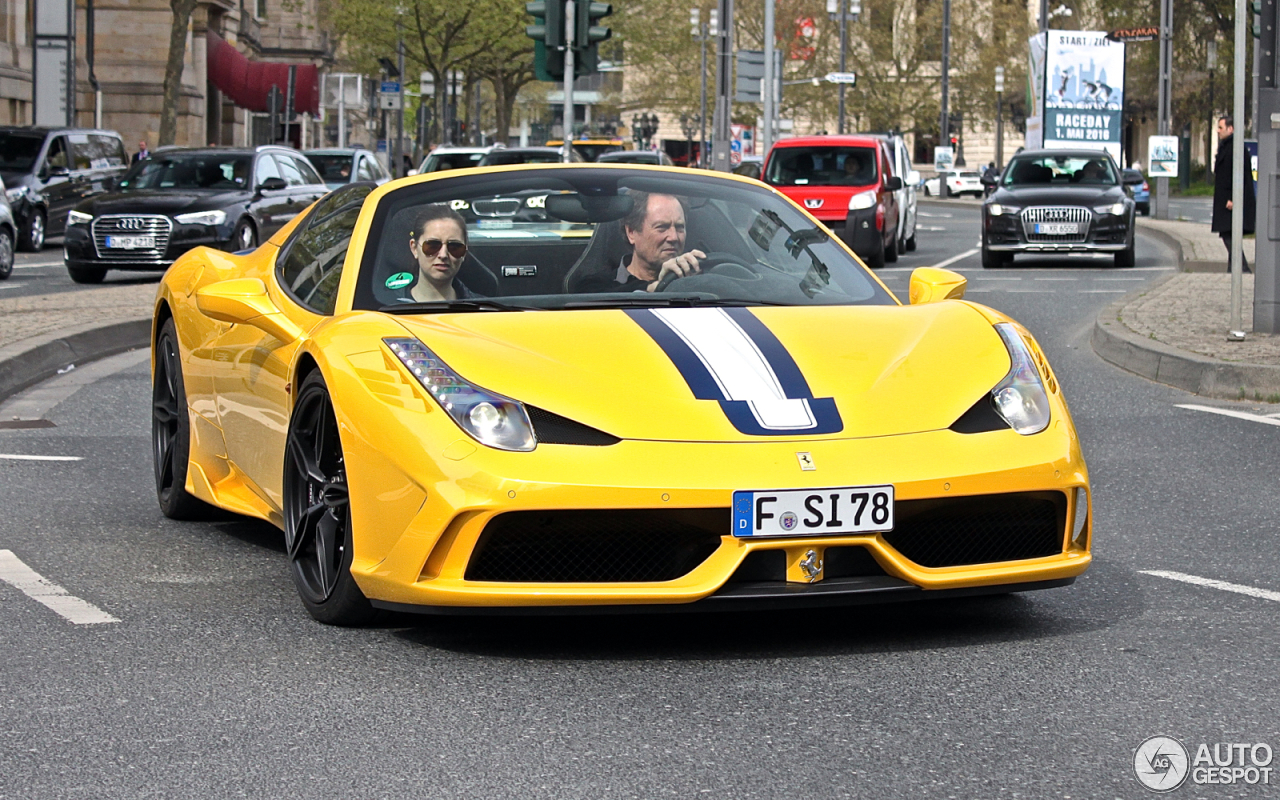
1162, 156
1083, 91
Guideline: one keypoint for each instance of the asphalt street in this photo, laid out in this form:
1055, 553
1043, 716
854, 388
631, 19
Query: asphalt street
211, 681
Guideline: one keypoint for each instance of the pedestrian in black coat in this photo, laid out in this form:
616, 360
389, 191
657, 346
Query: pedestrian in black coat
1222, 189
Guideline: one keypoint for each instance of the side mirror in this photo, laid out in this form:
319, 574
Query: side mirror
933, 285
913, 178
411, 173
272, 185
57, 172
244, 301
893, 183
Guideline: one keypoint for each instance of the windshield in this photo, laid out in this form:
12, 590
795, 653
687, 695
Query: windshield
438, 162
18, 151
1061, 170
332, 168
598, 237
500, 158
822, 166
189, 171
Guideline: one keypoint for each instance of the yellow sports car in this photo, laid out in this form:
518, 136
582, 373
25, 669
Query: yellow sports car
588, 387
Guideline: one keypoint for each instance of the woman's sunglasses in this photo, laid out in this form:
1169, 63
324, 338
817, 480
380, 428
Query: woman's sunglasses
430, 247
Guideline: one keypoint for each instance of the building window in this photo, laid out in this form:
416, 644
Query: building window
260, 9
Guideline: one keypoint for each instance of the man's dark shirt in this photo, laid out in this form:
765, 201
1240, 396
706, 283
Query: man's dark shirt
619, 281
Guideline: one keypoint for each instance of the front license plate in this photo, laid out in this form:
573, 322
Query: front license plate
131, 242
813, 512
1057, 228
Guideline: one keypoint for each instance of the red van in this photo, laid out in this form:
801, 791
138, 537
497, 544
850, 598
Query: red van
848, 183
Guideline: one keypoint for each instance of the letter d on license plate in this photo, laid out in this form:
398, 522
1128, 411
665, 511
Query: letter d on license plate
813, 512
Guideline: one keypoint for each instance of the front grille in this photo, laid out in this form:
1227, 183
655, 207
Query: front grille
596, 546
947, 532
1081, 216
501, 207
132, 225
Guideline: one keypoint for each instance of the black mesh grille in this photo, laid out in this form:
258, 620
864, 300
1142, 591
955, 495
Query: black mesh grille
596, 546
979, 530
555, 429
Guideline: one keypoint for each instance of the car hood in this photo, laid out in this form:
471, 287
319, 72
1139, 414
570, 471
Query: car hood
160, 202
1058, 195
672, 374
12, 179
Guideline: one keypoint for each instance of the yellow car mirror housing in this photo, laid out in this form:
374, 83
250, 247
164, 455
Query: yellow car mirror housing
932, 285
244, 301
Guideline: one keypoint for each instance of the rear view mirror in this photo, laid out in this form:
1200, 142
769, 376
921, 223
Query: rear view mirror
933, 285
272, 185
893, 183
244, 301
913, 178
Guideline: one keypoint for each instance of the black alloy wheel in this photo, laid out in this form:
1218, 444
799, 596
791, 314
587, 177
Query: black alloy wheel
171, 431
317, 511
32, 239
6, 253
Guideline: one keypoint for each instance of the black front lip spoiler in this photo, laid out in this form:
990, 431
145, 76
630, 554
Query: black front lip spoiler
752, 596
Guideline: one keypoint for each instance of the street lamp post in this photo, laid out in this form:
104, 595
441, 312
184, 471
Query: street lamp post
689, 126
946, 69
999, 118
703, 33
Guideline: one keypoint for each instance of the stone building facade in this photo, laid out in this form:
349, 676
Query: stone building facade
131, 46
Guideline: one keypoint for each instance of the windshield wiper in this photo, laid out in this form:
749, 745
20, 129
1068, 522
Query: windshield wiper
450, 306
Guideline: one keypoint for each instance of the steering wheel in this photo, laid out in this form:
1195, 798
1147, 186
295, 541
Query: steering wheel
713, 260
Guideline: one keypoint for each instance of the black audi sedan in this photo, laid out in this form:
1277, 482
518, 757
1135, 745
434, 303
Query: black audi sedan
230, 199
1058, 201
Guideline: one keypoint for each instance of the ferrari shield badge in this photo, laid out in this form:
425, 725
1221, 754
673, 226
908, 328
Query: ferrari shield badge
806, 462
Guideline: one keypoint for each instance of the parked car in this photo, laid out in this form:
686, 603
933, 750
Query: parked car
901, 158
340, 166
230, 199
49, 170
8, 236
524, 155
848, 183
652, 157
959, 183
447, 157
1058, 201
1139, 190
749, 167
591, 148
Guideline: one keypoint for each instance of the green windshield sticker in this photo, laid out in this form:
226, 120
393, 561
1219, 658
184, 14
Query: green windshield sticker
399, 280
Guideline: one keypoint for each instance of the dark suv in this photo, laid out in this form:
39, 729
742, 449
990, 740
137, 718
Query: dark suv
46, 171
180, 198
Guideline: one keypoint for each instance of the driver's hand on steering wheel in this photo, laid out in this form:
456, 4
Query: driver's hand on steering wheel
681, 266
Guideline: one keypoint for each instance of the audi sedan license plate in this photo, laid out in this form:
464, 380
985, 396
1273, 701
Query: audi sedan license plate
131, 242
1057, 228
813, 512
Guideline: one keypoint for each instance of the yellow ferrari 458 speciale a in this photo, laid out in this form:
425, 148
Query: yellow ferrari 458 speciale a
587, 387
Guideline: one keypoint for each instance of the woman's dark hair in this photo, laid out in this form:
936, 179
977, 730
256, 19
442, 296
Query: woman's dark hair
434, 212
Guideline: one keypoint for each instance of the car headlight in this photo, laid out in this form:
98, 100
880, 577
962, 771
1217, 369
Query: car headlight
1020, 399
17, 193
78, 218
862, 200
489, 418
1115, 208
203, 218
998, 210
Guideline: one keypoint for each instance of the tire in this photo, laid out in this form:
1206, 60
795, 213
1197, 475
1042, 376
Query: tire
317, 512
245, 236
891, 250
1126, 257
910, 244
171, 432
31, 239
1144, 209
6, 253
992, 260
926, 191
87, 274
876, 260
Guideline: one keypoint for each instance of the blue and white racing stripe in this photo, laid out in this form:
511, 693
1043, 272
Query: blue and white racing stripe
728, 355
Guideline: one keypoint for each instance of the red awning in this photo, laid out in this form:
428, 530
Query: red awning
248, 83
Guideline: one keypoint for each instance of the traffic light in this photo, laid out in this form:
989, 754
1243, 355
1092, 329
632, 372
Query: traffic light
547, 33
587, 33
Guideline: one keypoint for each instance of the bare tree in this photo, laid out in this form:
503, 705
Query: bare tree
182, 10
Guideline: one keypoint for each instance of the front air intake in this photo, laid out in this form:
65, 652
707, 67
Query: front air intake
952, 532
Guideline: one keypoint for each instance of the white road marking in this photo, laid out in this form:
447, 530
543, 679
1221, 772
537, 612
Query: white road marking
955, 258
1230, 412
39, 458
1122, 279
1102, 291
39, 265
932, 216
49, 594
1252, 591
1057, 279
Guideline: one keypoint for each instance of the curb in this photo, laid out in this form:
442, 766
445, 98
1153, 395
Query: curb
1159, 362
1173, 242
27, 362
